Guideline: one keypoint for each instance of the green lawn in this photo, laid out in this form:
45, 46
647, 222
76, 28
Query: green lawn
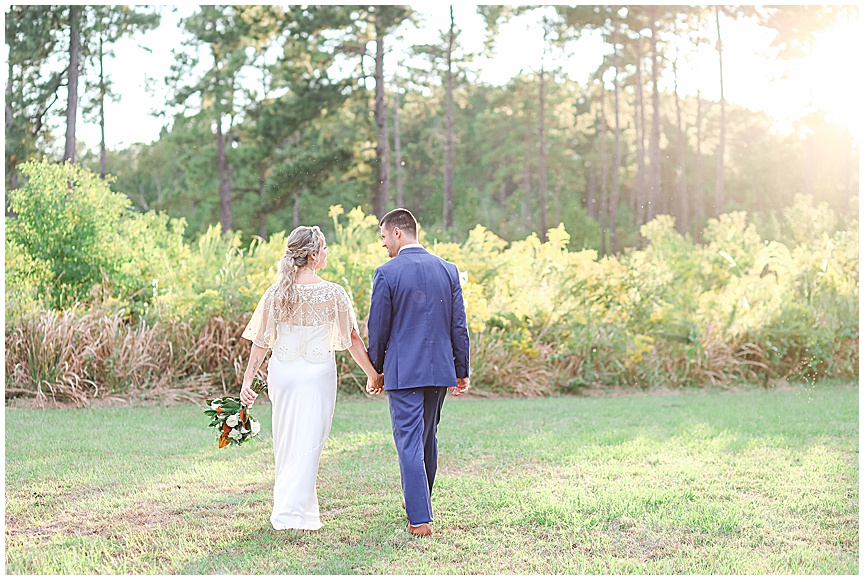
752, 482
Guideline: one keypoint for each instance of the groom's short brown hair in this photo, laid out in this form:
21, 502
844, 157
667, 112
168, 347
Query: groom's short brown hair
402, 219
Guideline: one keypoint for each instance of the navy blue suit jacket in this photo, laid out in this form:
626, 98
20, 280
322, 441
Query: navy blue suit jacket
418, 334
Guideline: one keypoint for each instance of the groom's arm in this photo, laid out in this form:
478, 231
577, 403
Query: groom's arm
459, 328
380, 320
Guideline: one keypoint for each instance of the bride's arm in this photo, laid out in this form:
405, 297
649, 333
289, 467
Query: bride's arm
256, 358
361, 357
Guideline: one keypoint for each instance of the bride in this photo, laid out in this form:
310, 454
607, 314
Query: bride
303, 320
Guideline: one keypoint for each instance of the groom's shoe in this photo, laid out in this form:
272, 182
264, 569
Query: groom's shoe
421, 530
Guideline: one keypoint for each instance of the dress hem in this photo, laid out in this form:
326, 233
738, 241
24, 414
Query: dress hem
298, 526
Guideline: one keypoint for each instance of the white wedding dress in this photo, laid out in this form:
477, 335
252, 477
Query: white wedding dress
301, 383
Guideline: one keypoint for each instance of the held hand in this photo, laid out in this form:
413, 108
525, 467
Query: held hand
461, 386
247, 395
375, 385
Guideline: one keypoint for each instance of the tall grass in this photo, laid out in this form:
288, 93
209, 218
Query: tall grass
544, 318
77, 356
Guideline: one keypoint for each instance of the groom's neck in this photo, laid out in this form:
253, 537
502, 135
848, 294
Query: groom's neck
406, 242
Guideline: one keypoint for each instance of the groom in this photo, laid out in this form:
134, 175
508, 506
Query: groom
418, 338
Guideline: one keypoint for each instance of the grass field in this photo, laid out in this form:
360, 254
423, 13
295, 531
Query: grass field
753, 482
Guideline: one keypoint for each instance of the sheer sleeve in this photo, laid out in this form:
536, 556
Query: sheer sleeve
344, 320
261, 329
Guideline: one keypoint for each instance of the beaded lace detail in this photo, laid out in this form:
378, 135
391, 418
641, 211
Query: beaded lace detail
318, 323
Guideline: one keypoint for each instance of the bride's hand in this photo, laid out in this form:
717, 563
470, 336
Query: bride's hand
375, 384
247, 395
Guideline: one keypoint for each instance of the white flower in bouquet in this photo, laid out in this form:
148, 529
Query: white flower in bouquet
232, 421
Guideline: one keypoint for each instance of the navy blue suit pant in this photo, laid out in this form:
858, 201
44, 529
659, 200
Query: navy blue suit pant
414, 414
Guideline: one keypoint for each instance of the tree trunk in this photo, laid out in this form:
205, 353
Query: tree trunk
654, 145
9, 112
719, 194
448, 162
262, 186
160, 200
633, 192
224, 184
851, 192
10, 120
699, 194
103, 154
541, 157
639, 121
616, 157
503, 218
296, 208
72, 103
591, 187
397, 150
810, 165
526, 217
604, 173
683, 212
230, 173
557, 198
381, 152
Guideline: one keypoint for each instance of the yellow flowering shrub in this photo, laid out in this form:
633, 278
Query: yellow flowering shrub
546, 319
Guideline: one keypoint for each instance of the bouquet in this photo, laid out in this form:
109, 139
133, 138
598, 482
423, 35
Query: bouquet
258, 385
232, 420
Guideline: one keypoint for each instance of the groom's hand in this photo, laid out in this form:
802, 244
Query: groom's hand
461, 386
375, 386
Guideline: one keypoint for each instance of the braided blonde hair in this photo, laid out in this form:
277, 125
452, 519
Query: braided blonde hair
303, 244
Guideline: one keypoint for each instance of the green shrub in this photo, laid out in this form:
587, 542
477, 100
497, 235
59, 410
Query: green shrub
543, 319
73, 240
